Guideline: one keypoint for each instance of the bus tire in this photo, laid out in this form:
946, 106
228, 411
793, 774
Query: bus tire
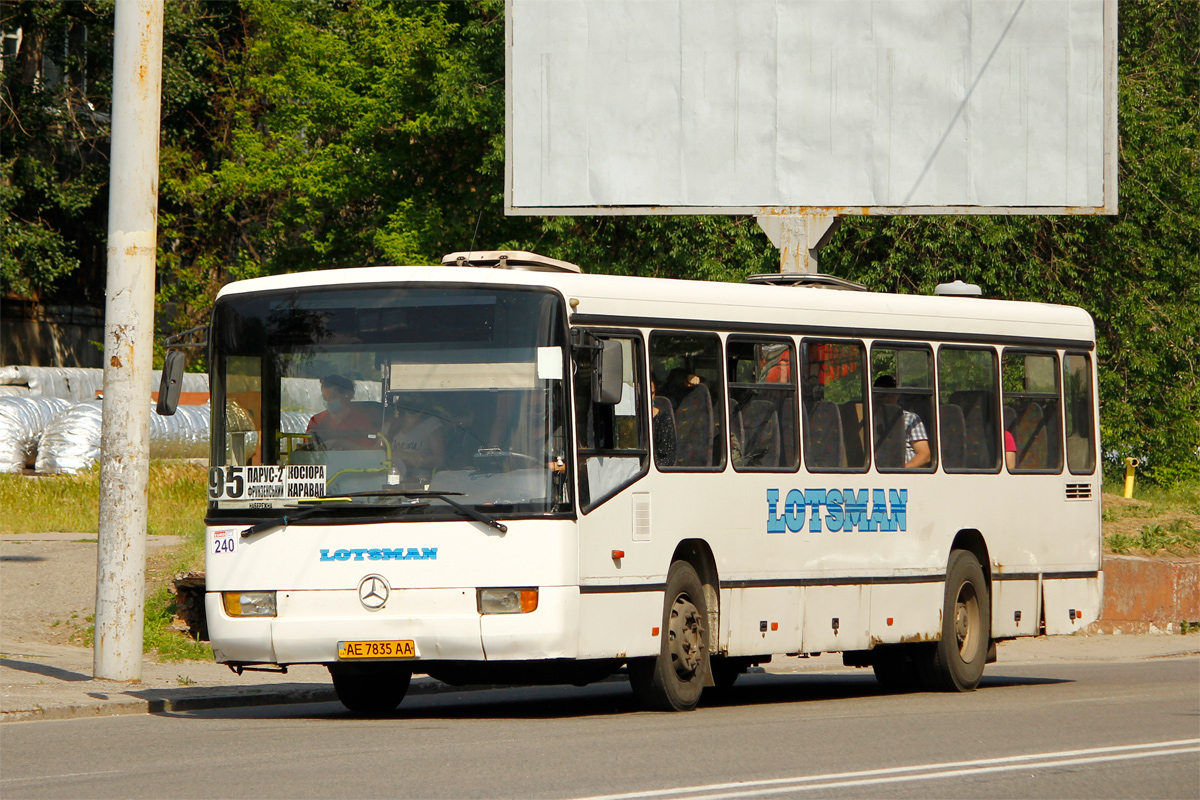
674, 680
955, 664
370, 688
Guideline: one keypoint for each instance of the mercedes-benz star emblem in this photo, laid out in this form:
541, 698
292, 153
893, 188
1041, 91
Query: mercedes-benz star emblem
374, 591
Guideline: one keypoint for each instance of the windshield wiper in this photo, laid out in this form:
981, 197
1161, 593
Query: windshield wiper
280, 522
466, 511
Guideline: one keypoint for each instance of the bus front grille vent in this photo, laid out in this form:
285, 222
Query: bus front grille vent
1079, 491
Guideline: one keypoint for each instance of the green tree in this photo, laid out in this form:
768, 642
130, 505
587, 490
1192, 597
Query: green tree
54, 129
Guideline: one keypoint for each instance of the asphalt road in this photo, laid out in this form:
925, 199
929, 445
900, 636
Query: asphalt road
1046, 730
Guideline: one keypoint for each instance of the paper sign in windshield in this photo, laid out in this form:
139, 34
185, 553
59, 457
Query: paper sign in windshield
265, 486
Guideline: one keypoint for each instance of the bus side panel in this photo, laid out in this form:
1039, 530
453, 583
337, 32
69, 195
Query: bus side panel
1010, 599
1071, 603
620, 624
1029, 524
906, 612
835, 618
762, 621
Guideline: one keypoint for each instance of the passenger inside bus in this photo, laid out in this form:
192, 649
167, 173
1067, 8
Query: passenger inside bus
894, 425
680, 382
344, 424
692, 387
418, 437
662, 415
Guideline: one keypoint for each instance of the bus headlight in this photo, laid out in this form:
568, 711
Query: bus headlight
249, 604
507, 601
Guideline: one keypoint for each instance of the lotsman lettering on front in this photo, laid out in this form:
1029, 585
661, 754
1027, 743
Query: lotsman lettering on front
381, 554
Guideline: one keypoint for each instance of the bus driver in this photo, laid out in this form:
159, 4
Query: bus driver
342, 425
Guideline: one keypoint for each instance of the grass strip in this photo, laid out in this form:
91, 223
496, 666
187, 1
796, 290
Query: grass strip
70, 503
1178, 537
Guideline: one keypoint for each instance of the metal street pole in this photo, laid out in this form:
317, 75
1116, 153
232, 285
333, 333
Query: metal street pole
128, 342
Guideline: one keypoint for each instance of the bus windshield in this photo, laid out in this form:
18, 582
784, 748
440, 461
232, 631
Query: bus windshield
387, 394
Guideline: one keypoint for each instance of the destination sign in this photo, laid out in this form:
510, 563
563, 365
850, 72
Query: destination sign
269, 486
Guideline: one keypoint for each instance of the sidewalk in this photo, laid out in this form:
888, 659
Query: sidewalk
44, 681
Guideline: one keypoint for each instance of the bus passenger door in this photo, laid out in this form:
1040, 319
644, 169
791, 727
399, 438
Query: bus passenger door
611, 439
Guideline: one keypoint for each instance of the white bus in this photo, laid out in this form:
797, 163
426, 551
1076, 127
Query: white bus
524, 474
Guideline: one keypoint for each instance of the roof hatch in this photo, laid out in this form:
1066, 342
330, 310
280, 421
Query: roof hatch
814, 280
508, 259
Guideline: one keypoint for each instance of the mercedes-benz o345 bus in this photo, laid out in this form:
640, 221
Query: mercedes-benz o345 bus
518, 473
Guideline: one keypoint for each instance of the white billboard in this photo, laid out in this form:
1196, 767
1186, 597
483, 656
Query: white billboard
803, 106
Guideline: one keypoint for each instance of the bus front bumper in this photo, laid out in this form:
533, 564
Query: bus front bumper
442, 624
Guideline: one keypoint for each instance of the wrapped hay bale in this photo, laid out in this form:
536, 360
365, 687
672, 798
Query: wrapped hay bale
22, 421
71, 442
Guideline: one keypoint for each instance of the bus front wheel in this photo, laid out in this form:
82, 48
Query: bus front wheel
370, 688
674, 680
955, 664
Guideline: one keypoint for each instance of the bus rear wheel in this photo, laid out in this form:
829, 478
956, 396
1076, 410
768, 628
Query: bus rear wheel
674, 680
370, 688
955, 664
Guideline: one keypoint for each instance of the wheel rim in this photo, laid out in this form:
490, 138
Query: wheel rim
966, 621
685, 637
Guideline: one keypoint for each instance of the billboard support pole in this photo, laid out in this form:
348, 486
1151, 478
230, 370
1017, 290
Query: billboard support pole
128, 342
798, 237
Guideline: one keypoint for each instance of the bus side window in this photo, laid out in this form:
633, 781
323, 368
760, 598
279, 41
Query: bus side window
612, 438
833, 384
762, 404
1031, 412
968, 389
902, 407
1077, 405
244, 441
687, 376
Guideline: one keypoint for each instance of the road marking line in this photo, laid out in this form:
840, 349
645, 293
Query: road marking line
716, 791
64, 775
927, 776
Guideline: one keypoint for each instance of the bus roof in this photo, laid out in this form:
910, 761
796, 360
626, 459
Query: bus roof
614, 300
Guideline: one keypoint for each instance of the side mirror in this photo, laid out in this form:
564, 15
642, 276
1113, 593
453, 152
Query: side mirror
610, 368
171, 383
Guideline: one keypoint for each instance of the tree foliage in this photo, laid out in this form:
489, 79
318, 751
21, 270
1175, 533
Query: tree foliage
53, 143
300, 134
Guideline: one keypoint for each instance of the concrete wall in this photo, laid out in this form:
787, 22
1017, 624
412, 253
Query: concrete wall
1144, 595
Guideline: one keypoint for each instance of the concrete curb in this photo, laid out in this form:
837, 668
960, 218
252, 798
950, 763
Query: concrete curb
205, 700
164, 705
233, 697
